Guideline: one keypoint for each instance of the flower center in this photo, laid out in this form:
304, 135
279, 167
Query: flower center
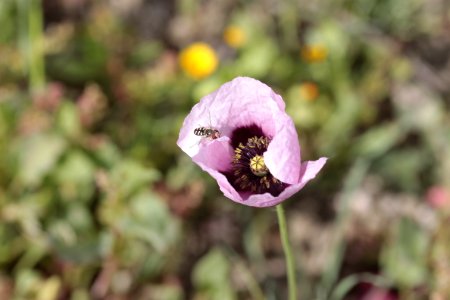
257, 166
249, 172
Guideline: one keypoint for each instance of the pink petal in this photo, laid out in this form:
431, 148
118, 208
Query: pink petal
282, 157
199, 116
216, 158
438, 197
309, 171
216, 155
240, 102
248, 101
379, 294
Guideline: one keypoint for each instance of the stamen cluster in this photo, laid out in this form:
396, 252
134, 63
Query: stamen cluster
249, 170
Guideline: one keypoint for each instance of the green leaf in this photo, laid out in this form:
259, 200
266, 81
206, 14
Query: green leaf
150, 220
145, 52
129, 176
211, 276
37, 156
410, 165
404, 257
257, 60
107, 153
68, 120
75, 177
84, 60
378, 140
166, 292
345, 285
80, 294
27, 282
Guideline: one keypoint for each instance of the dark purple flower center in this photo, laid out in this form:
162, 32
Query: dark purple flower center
249, 172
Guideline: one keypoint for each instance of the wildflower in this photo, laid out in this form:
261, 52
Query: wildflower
198, 60
256, 157
234, 36
314, 53
438, 197
368, 291
309, 91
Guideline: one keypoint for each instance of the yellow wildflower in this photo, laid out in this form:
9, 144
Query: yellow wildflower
234, 36
314, 53
309, 91
198, 60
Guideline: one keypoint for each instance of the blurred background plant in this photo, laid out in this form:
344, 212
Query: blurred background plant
97, 202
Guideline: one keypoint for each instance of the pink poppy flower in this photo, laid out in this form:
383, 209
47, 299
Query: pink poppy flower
241, 135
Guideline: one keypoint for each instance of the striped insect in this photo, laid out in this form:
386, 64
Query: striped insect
207, 132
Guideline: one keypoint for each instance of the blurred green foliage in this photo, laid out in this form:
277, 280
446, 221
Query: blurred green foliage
97, 201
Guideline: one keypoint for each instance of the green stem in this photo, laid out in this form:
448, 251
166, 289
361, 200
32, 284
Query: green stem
290, 264
35, 30
31, 41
